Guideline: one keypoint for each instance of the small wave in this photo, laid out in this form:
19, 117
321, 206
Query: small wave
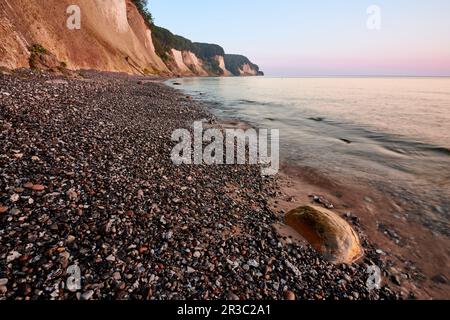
408, 147
345, 140
441, 150
394, 143
317, 119
247, 101
258, 103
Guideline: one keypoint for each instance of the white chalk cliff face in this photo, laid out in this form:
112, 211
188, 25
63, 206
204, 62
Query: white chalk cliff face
221, 61
113, 35
180, 66
194, 63
186, 63
115, 13
247, 70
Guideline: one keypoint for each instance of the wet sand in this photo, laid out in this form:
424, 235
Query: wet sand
418, 258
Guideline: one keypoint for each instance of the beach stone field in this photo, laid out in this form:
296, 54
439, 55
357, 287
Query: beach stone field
86, 181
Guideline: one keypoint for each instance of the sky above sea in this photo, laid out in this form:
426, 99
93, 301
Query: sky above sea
323, 37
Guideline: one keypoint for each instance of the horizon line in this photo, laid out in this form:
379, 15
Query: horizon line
358, 76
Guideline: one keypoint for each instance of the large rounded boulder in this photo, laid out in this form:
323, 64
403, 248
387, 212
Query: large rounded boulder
327, 233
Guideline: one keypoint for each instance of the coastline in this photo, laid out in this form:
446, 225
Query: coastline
414, 252
386, 238
87, 180
416, 261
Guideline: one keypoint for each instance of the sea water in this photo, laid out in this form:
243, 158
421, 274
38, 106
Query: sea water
392, 133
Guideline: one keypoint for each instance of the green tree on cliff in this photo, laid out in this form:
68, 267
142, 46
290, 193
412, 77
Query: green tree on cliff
142, 7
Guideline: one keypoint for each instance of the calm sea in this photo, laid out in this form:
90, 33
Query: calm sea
393, 133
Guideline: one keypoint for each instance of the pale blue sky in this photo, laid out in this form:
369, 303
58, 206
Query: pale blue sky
319, 37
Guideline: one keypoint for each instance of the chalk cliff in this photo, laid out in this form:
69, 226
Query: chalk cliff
113, 36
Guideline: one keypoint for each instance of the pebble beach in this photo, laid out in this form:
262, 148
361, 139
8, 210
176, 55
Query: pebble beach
86, 180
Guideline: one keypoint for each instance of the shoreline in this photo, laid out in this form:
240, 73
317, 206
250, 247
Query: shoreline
384, 236
416, 260
415, 252
86, 180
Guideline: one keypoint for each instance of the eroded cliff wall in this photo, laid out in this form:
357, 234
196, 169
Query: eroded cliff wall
113, 36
